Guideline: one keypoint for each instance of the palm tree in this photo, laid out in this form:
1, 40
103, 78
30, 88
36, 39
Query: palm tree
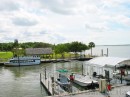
91, 45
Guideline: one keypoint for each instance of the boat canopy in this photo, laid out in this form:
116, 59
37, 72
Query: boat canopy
108, 61
62, 70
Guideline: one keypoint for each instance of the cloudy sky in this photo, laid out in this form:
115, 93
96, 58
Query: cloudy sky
60, 21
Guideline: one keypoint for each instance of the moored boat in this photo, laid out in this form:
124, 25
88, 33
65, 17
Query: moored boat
63, 80
23, 61
84, 80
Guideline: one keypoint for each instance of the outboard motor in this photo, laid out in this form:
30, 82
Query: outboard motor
94, 74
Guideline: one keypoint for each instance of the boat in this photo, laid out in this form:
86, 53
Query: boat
63, 80
128, 94
84, 80
23, 61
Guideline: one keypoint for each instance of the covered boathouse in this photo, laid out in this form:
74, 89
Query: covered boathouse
100, 64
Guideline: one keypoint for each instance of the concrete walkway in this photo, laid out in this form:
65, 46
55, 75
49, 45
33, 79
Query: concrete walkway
116, 92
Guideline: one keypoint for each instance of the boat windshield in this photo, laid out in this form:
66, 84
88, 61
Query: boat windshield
63, 79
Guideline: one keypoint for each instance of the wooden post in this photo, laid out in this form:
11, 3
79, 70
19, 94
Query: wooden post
115, 67
40, 77
48, 84
102, 52
18, 61
82, 69
45, 73
121, 78
52, 79
107, 75
107, 52
121, 75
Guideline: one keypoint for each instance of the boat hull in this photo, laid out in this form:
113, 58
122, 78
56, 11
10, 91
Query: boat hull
23, 61
21, 64
84, 80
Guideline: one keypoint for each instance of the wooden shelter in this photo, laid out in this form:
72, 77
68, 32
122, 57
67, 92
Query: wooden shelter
39, 51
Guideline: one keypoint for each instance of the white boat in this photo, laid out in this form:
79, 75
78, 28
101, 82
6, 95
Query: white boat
128, 94
84, 80
23, 61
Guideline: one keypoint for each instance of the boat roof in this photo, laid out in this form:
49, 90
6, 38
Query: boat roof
62, 70
107, 61
38, 51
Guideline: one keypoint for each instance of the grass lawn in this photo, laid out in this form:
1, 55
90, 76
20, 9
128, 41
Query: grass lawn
6, 55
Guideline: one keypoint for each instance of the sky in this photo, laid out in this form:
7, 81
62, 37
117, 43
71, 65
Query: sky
104, 22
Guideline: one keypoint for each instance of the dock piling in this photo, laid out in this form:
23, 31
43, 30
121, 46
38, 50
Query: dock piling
52, 79
45, 74
82, 69
107, 52
40, 77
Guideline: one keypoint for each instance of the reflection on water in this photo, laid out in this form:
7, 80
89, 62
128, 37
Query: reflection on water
20, 82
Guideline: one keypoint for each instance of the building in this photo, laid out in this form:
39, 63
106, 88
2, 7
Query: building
38, 51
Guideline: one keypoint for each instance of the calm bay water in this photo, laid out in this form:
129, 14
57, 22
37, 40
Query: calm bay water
114, 51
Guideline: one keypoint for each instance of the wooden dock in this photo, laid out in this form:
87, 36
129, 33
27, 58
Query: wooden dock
54, 60
63, 60
48, 82
115, 92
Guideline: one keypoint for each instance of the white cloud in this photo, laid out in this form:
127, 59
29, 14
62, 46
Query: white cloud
8, 5
57, 21
23, 22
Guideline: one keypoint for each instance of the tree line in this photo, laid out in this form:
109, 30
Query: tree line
75, 47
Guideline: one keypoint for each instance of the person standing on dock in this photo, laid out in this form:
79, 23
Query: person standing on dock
72, 77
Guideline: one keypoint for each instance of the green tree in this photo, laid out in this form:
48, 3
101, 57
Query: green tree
77, 47
60, 49
83, 47
91, 45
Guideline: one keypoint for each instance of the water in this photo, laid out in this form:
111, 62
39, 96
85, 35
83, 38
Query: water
20, 82
25, 81
114, 51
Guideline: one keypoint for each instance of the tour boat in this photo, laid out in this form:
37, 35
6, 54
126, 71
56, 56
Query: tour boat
23, 61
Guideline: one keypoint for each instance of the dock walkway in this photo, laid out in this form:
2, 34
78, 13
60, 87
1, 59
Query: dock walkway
116, 92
